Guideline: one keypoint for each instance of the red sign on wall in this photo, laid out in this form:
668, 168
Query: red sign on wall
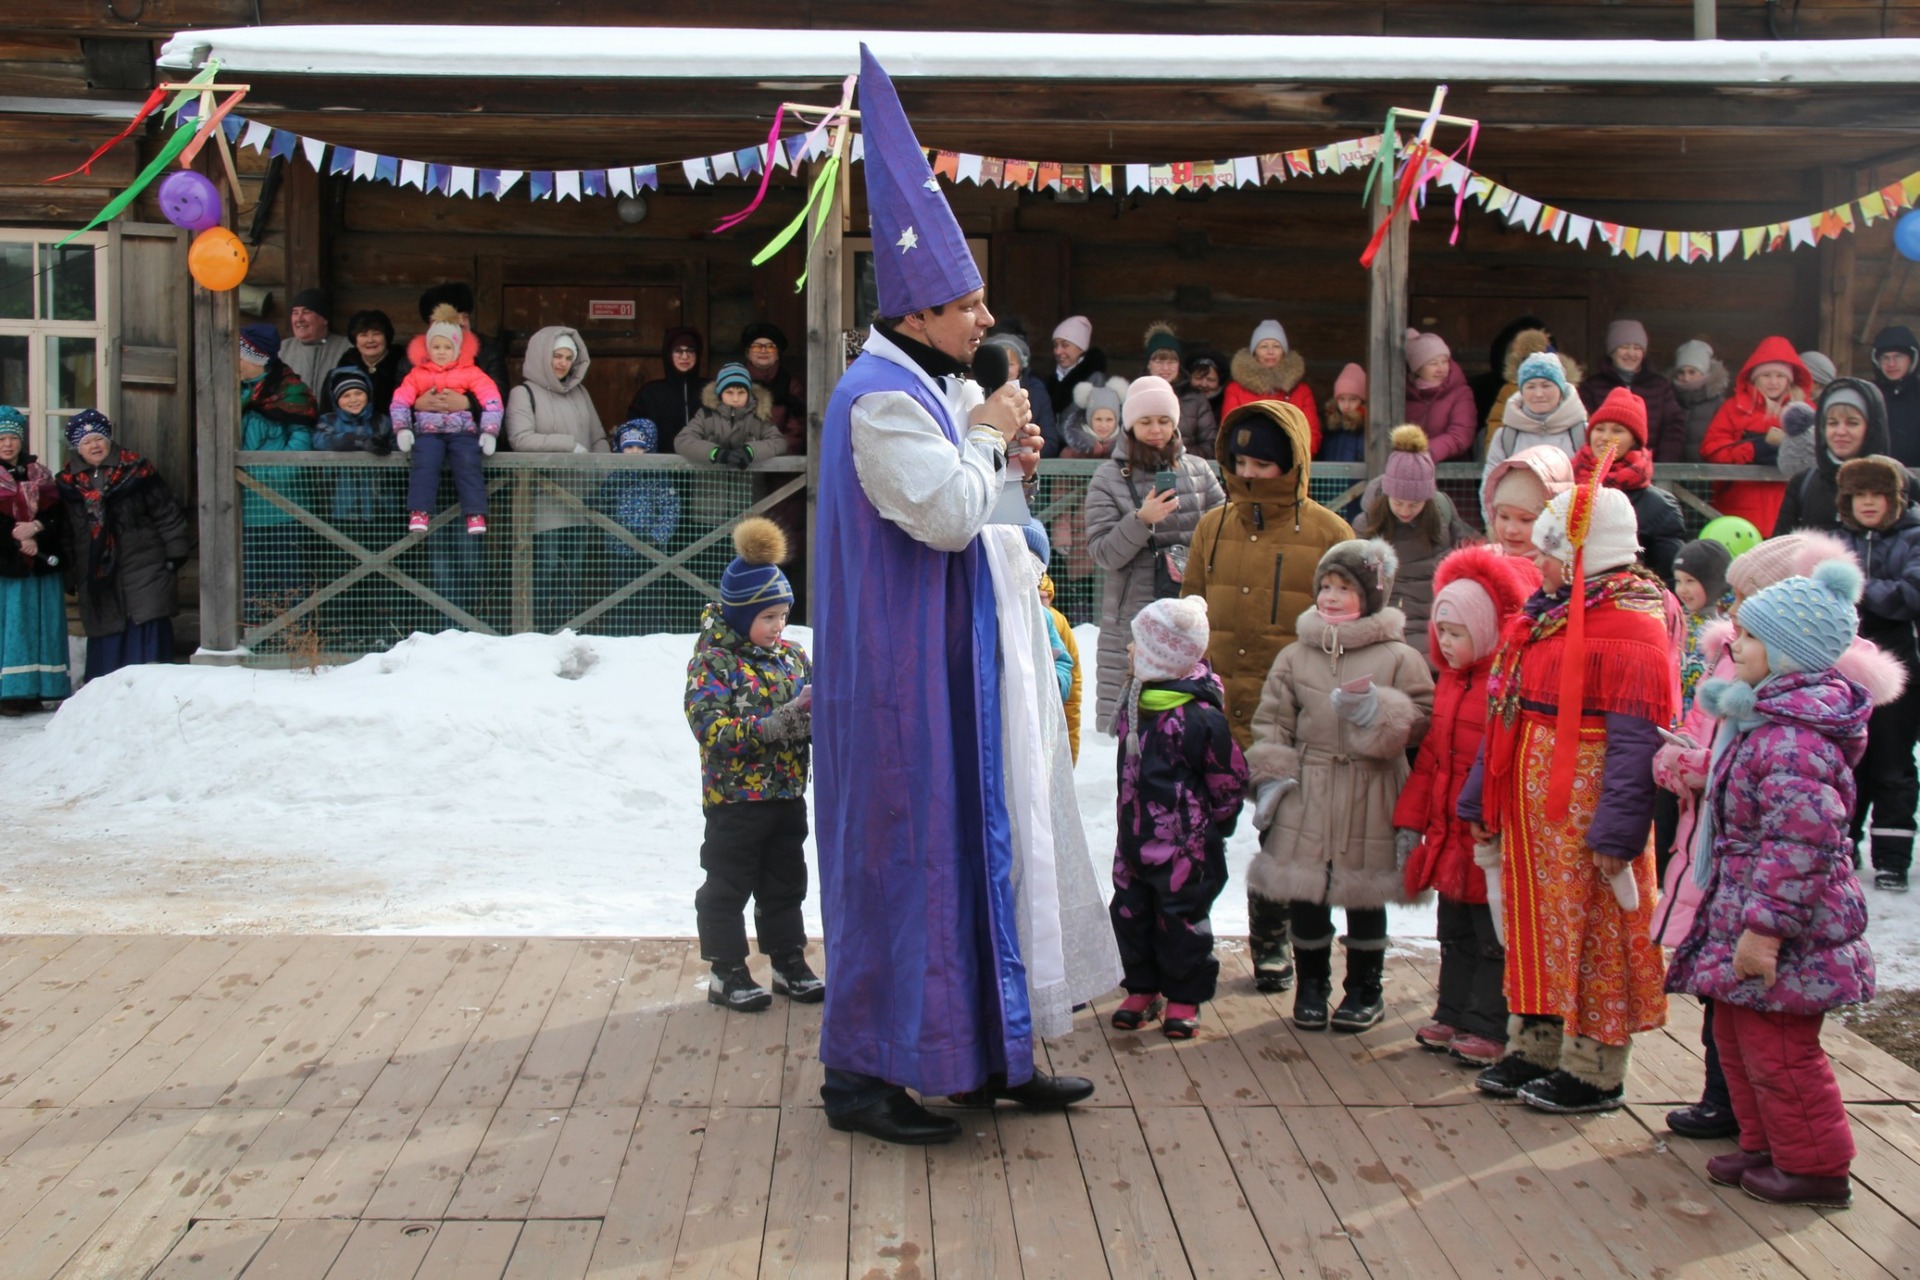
610, 309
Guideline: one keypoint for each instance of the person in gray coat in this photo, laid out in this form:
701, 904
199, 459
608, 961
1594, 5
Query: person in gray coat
1133, 524
552, 412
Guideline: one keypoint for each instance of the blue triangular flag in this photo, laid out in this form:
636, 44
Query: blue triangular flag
342, 161
282, 143
749, 161
540, 184
489, 184
386, 169
231, 126
646, 177
439, 178
593, 182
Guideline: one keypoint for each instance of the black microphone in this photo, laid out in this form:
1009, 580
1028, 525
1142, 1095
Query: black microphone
991, 369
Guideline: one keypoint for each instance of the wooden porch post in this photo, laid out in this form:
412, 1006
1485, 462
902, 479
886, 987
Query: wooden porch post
216, 417
825, 359
1386, 337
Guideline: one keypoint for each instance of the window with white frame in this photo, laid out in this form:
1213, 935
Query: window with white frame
53, 331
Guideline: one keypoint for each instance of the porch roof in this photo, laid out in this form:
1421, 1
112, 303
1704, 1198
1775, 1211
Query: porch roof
695, 53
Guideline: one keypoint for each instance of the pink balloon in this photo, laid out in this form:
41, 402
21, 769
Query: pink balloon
190, 200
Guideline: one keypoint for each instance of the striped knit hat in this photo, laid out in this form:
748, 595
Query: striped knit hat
753, 581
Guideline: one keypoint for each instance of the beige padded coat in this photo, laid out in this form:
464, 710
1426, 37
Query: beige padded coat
1332, 838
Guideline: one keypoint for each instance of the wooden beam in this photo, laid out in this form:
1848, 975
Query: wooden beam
216, 416
1386, 335
301, 198
825, 358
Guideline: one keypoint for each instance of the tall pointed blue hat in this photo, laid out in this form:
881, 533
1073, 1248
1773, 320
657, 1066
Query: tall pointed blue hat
920, 256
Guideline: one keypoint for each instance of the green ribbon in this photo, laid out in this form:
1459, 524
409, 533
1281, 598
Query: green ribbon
168, 153
820, 195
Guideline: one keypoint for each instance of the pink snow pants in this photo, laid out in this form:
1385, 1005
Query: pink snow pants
1783, 1090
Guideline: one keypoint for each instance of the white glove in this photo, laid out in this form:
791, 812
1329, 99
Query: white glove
1487, 858
487, 445
1625, 891
403, 440
579, 448
1266, 800
1405, 841
1357, 709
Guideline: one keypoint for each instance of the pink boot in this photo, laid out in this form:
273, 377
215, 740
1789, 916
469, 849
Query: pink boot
1729, 1169
1436, 1035
1137, 1010
1181, 1022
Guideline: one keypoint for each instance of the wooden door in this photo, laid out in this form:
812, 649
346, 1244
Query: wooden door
149, 318
624, 348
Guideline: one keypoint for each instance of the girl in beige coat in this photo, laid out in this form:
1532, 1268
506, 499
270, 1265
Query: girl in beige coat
1340, 708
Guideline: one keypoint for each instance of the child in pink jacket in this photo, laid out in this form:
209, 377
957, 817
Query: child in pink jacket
430, 438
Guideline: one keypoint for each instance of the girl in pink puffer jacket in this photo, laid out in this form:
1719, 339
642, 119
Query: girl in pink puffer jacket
1780, 936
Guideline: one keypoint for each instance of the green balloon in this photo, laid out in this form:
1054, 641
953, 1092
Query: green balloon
1733, 533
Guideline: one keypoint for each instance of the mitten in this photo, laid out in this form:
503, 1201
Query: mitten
381, 445
1487, 858
1405, 841
741, 456
1357, 709
403, 440
1266, 800
1625, 891
487, 445
579, 448
792, 722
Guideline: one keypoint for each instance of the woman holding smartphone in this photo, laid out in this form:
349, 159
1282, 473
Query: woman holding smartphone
1142, 506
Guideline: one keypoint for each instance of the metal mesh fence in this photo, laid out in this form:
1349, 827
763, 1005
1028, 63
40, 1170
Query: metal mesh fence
604, 546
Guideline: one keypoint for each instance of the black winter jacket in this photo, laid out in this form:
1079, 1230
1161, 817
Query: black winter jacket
1890, 604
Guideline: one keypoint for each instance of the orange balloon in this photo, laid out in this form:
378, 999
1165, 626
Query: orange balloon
217, 259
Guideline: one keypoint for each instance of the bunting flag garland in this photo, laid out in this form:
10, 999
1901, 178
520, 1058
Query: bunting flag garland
757, 163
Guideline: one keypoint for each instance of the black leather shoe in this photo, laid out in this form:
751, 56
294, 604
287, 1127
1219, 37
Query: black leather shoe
897, 1118
1042, 1093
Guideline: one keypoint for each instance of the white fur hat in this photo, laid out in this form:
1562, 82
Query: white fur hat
1169, 637
1613, 534
1075, 329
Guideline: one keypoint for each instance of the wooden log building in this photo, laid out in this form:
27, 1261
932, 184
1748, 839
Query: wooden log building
1673, 147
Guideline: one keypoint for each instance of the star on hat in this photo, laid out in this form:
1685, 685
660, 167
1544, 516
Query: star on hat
907, 207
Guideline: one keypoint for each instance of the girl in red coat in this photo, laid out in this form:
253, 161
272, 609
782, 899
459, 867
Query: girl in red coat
1477, 591
1269, 369
1747, 431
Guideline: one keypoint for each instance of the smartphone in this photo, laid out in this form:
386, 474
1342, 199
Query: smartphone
1680, 740
1165, 481
1361, 685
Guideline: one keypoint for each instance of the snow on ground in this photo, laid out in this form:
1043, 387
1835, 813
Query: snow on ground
458, 784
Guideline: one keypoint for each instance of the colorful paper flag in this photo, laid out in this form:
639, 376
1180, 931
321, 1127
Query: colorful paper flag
1047, 175
1751, 240
992, 170
1873, 207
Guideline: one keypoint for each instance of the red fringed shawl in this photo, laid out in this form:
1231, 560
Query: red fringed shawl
1628, 669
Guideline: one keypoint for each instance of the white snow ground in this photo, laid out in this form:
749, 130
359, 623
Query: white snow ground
458, 784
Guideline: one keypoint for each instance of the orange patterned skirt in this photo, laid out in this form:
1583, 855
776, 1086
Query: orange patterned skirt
1572, 951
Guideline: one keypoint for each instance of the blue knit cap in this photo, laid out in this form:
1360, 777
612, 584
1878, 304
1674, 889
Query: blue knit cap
1806, 623
88, 422
753, 581
640, 431
732, 375
1543, 364
12, 422
1037, 540
261, 340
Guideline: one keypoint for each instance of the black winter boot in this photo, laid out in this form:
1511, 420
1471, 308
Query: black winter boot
1363, 1005
794, 979
1315, 959
1267, 937
733, 987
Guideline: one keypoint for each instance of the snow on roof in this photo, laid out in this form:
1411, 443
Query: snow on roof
693, 53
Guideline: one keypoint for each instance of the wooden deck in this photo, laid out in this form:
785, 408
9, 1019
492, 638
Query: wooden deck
393, 1107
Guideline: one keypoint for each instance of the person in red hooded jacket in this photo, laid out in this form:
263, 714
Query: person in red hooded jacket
1747, 430
1477, 589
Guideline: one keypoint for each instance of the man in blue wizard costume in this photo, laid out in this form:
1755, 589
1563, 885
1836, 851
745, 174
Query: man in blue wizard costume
927, 987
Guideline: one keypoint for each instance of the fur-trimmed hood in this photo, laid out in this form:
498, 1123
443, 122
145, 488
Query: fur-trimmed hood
761, 404
1714, 388
1865, 663
1262, 381
1374, 628
1531, 342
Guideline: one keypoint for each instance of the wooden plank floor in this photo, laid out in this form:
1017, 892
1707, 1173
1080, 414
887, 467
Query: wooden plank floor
554, 1108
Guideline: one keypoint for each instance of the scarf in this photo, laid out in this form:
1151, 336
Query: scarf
278, 395
91, 488
1335, 619
1740, 721
1627, 662
26, 489
1631, 471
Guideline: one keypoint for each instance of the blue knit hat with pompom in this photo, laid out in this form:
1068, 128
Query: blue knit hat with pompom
1806, 623
1544, 364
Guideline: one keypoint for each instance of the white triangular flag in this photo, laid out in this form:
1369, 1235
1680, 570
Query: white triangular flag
363, 164
1138, 177
462, 181
696, 171
315, 151
1453, 175
1524, 211
620, 182
1799, 232
413, 173
566, 184
724, 165
968, 168
1727, 242
258, 131
858, 151
1578, 229
1246, 171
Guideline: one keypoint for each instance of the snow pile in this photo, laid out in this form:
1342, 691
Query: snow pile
456, 784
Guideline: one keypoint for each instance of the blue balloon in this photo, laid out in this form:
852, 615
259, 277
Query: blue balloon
1906, 235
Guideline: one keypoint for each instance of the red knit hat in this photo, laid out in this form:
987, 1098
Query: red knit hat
1625, 408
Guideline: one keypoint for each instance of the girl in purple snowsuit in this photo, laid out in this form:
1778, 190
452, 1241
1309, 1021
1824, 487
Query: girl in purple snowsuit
1779, 938
1182, 778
